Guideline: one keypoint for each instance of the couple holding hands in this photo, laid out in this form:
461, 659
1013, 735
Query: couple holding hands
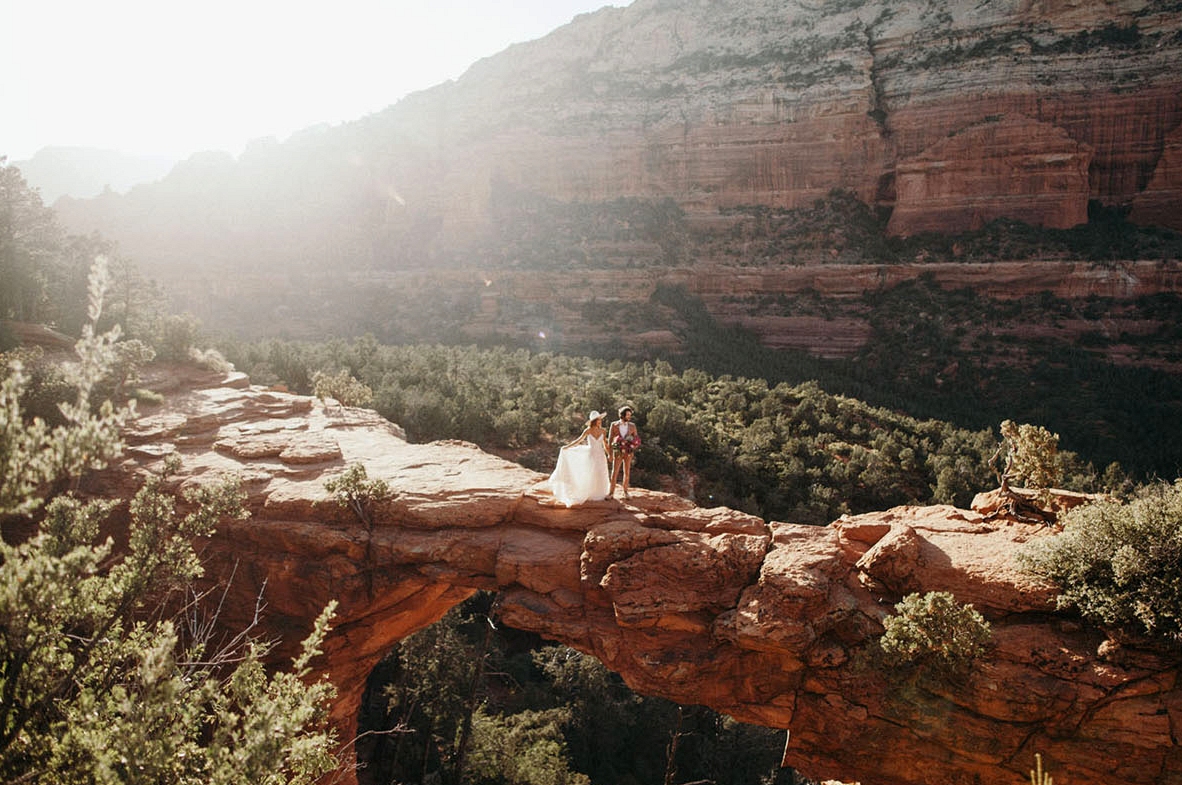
582, 471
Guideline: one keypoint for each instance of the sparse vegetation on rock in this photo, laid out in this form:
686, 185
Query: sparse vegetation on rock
933, 632
1120, 563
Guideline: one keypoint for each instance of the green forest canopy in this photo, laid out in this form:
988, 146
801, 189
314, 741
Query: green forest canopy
785, 452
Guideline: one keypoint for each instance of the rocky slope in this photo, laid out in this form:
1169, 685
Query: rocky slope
767, 621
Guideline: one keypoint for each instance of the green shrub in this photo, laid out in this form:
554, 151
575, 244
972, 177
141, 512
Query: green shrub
355, 491
341, 386
1031, 456
526, 748
44, 385
173, 336
101, 683
933, 631
127, 359
142, 395
1119, 563
210, 359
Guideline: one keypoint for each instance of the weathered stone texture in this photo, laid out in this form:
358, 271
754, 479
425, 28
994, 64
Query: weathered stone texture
769, 622
1007, 168
748, 102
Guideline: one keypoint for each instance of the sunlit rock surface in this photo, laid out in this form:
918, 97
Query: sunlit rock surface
950, 113
767, 621
772, 103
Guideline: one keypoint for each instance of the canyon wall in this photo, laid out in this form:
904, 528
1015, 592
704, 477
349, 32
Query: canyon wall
952, 113
600, 310
945, 115
770, 622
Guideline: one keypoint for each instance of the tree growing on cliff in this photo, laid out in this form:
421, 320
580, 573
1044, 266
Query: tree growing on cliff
99, 681
1029, 455
934, 632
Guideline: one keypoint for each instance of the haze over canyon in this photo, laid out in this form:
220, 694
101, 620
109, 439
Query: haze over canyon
671, 134
969, 211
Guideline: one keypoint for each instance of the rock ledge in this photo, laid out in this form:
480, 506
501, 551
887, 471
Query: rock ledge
765, 621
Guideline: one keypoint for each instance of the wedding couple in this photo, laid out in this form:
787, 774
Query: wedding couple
582, 471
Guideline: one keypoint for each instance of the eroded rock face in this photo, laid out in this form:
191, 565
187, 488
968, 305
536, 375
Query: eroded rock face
716, 105
769, 622
775, 103
1158, 202
1009, 167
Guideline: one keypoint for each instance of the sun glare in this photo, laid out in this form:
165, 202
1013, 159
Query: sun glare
152, 78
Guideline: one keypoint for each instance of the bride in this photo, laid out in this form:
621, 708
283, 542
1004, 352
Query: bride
581, 474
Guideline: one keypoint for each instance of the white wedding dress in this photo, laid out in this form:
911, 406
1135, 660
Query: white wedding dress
581, 474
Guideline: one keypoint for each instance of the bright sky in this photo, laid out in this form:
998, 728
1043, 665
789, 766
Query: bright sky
162, 77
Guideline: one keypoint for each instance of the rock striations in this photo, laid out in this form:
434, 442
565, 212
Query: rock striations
944, 114
767, 621
951, 113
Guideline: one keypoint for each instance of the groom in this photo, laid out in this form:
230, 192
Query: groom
624, 439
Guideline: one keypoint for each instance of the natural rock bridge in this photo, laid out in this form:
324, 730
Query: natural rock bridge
762, 621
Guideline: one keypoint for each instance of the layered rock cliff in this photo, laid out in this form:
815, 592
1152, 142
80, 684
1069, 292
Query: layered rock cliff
728, 103
767, 621
946, 114
609, 310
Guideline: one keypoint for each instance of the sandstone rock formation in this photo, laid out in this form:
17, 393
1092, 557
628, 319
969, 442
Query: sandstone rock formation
1158, 203
1010, 167
732, 295
770, 622
728, 103
713, 105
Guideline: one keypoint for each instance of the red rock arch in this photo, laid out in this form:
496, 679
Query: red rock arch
762, 621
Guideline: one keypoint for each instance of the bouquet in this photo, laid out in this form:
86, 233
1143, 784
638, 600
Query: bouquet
627, 444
